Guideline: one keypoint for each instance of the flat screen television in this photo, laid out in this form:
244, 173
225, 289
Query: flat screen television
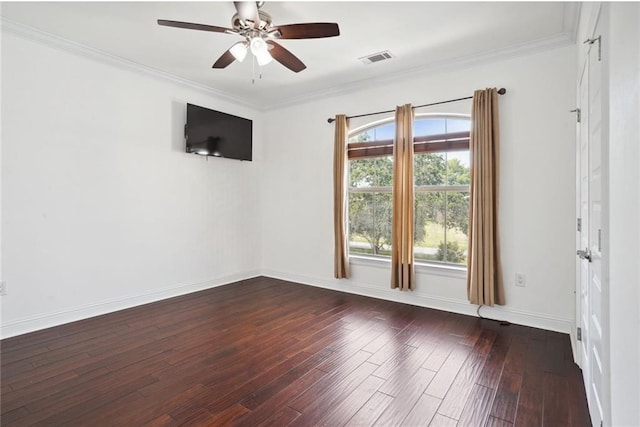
213, 133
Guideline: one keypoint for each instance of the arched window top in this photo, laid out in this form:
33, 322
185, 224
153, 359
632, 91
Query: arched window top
432, 133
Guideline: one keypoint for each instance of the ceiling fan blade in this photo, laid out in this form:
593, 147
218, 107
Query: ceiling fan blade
248, 11
224, 60
285, 57
311, 30
193, 26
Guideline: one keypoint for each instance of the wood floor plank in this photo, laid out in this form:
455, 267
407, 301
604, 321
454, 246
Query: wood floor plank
42, 373
439, 355
485, 341
71, 411
505, 402
15, 398
490, 375
442, 421
555, 411
477, 408
554, 356
331, 382
201, 418
13, 415
529, 409
263, 394
497, 422
350, 344
423, 411
265, 410
163, 420
232, 385
137, 409
387, 369
515, 359
328, 397
388, 351
270, 352
382, 340
447, 374
456, 398
406, 369
91, 389
344, 410
371, 410
406, 399
472, 335
237, 392
283, 417
227, 416
578, 409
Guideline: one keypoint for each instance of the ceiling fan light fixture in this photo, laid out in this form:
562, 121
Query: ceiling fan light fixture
239, 51
258, 46
260, 50
264, 58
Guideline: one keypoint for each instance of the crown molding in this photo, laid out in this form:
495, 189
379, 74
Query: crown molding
63, 44
528, 48
564, 38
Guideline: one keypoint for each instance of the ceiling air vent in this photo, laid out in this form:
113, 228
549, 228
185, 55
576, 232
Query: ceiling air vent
376, 57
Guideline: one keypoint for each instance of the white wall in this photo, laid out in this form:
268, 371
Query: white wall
101, 207
537, 192
623, 50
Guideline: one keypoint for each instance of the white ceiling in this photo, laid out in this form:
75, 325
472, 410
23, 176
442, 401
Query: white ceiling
421, 35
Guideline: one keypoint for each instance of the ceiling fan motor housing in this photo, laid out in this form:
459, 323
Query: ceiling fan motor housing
241, 25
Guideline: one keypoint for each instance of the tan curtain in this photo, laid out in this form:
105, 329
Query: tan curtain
402, 272
484, 279
341, 254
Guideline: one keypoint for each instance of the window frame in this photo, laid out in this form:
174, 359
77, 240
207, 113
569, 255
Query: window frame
441, 143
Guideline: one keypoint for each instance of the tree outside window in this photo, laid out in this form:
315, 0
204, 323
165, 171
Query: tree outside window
441, 176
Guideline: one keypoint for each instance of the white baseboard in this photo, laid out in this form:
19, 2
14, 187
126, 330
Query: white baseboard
35, 323
520, 317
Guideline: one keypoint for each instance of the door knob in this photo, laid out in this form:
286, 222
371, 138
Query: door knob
586, 254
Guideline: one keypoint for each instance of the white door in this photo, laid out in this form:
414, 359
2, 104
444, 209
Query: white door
592, 292
582, 166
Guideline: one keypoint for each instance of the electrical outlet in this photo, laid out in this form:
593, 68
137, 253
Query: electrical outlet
3, 288
520, 279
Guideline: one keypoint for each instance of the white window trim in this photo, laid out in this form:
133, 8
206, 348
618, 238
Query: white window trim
421, 267
417, 188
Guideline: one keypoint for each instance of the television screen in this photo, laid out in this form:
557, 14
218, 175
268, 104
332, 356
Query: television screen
213, 133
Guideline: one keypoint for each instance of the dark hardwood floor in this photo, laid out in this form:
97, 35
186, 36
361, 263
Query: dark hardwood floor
268, 352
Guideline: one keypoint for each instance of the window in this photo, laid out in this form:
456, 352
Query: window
441, 176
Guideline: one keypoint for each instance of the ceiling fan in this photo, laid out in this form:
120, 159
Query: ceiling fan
259, 34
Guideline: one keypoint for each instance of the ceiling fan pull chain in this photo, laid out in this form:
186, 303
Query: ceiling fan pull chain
253, 70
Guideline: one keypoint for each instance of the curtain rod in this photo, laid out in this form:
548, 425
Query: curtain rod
501, 91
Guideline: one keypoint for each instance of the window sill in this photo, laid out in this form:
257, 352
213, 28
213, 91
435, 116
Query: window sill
421, 267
